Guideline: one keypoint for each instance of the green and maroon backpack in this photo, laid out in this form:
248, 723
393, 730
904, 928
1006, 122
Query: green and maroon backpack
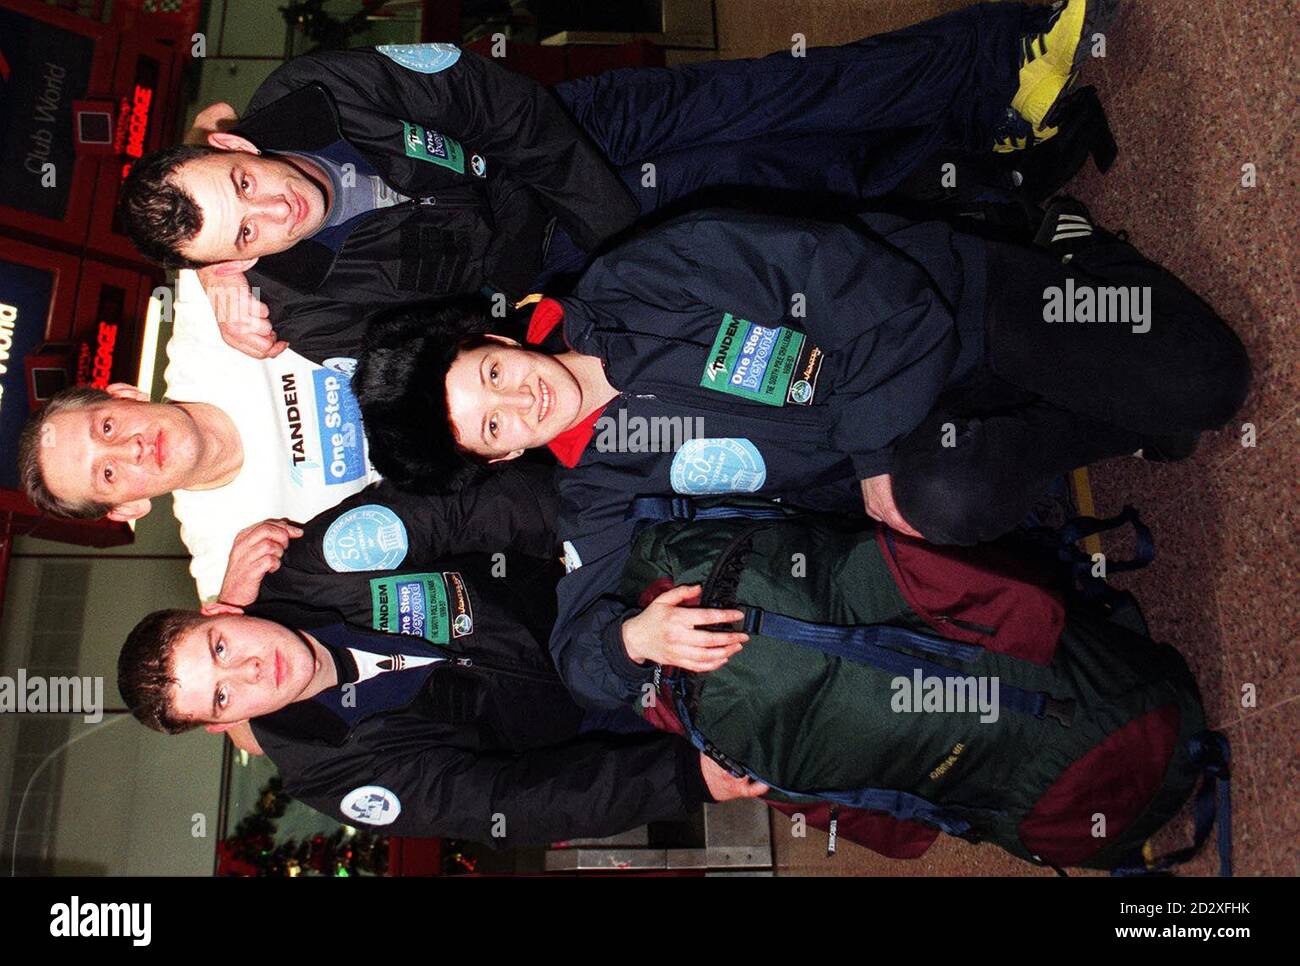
892, 689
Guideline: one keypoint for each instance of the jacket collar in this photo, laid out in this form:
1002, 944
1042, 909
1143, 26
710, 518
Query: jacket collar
303, 721
306, 119
310, 720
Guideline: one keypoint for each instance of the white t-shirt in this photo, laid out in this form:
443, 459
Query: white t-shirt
304, 449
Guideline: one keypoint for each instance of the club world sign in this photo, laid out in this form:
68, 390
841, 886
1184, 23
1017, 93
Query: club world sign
25, 293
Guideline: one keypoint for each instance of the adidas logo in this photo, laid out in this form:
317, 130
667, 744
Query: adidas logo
1071, 226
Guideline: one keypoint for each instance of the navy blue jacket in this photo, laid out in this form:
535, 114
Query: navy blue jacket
895, 307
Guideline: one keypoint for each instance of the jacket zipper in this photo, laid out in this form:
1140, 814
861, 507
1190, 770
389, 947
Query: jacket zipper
405, 209
469, 662
808, 422
431, 201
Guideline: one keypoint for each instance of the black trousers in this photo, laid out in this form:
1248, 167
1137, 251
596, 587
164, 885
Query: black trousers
1054, 395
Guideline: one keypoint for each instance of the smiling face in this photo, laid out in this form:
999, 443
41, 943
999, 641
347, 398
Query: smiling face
119, 451
232, 668
252, 205
503, 399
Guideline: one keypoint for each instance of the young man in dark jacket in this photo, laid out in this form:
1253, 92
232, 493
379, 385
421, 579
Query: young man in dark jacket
391, 175
394, 667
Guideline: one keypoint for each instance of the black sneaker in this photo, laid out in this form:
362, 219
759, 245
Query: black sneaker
1067, 228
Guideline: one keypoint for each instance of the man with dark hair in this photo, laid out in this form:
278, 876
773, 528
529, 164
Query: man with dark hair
160, 217
393, 175
145, 669
394, 667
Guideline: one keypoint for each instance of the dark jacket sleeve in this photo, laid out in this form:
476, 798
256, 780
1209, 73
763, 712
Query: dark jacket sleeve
594, 785
510, 510
317, 327
587, 641
850, 290
510, 119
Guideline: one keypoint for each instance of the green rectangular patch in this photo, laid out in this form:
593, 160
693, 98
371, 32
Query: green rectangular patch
752, 361
433, 147
414, 604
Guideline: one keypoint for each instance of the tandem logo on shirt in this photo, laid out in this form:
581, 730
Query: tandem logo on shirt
328, 401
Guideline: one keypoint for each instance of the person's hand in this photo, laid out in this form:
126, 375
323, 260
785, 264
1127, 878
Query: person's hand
256, 552
666, 632
878, 497
724, 786
244, 322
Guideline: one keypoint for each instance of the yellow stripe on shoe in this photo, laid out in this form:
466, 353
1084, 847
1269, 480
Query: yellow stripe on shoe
1049, 60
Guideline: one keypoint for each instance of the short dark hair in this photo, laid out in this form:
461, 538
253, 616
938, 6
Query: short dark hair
158, 215
401, 386
33, 440
145, 670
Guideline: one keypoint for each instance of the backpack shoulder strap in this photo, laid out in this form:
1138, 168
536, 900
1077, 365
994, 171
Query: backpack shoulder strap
1211, 752
885, 647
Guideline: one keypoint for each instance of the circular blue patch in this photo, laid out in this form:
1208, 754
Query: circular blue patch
370, 537
731, 465
421, 58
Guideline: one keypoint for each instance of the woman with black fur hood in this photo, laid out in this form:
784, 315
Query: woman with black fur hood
897, 367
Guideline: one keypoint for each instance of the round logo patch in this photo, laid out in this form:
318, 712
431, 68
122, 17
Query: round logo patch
370, 537
464, 624
478, 165
729, 465
371, 805
421, 58
801, 391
